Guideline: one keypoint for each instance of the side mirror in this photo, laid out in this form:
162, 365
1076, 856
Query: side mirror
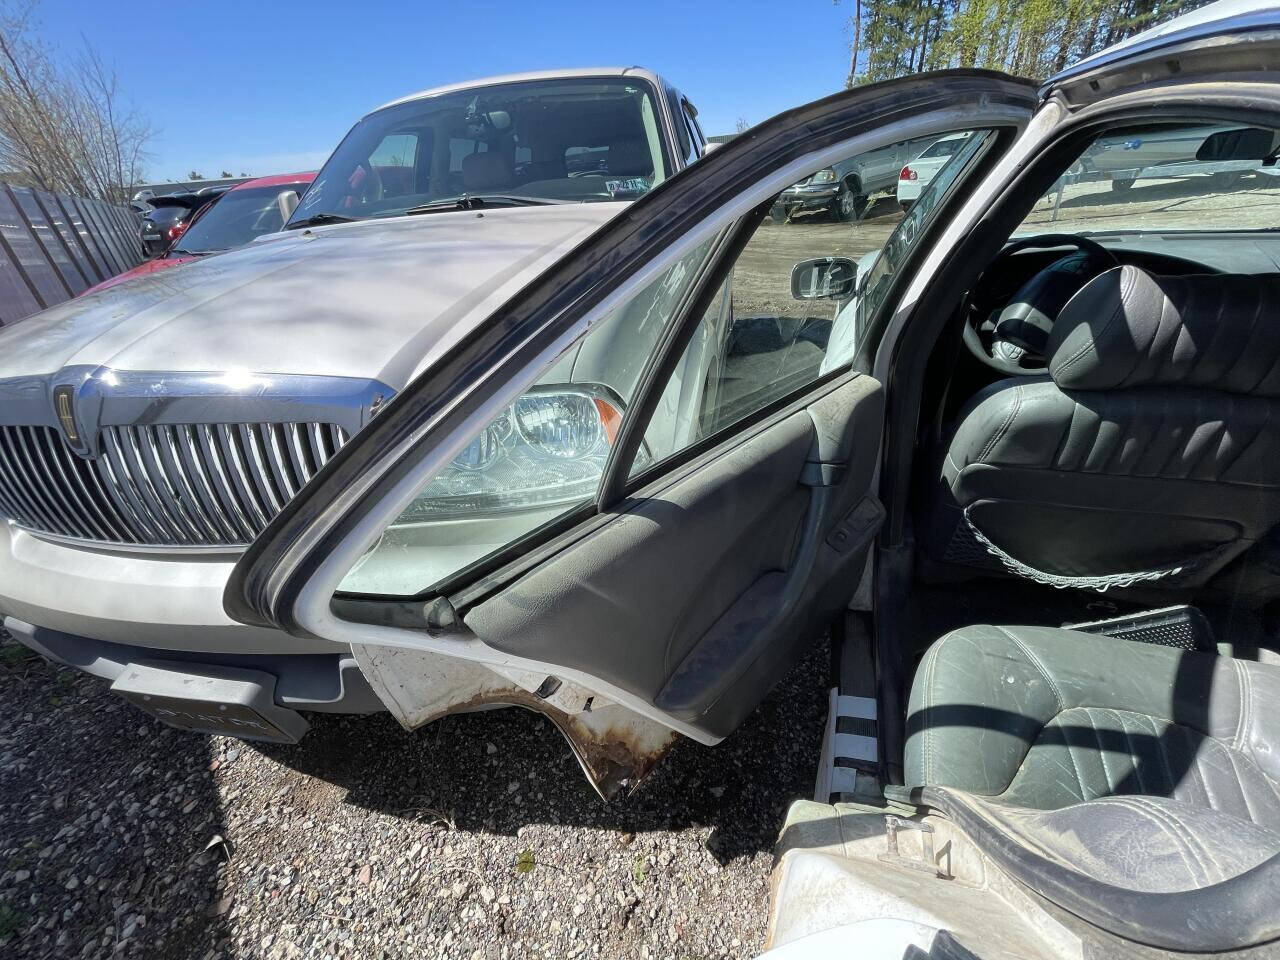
287, 202
825, 278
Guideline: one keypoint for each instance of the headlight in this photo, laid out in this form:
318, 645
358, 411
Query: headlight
548, 448
824, 176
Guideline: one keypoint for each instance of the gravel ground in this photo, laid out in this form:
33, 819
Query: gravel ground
475, 837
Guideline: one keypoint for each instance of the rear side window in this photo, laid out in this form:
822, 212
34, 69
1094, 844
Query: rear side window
695, 131
944, 148
394, 163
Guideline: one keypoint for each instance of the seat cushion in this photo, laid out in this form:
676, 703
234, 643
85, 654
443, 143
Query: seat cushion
1135, 786
1044, 718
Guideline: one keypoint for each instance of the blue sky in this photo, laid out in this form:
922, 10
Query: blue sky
270, 87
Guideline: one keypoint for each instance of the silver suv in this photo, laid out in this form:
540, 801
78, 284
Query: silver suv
150, 432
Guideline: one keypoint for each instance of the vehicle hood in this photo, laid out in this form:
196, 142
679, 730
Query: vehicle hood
378, 299
143, 269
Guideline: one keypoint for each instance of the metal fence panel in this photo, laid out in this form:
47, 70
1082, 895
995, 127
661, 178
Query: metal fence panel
24, 249
51, 244
128, 224
114, 234
55, 247
81, 275
85, 237
115, 262
16, 299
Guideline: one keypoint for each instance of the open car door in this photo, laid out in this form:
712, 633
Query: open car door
631, 496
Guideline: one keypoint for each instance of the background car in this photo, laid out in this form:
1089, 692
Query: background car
915, 176
170, 216
846, 189
245, 212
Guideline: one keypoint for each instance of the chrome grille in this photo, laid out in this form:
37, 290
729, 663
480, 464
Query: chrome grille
171, 485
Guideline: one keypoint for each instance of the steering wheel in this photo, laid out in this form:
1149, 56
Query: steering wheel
1019, 334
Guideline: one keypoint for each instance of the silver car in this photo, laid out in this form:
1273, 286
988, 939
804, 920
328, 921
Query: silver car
150, 432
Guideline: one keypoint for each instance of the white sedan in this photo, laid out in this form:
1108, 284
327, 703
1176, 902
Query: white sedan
915, 176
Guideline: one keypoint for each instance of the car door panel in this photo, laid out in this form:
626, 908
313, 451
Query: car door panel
694, 596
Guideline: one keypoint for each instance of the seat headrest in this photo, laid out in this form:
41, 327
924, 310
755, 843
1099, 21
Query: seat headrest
630, 158
486, 171
1129, 328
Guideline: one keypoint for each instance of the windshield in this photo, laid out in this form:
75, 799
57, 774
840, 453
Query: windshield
239, 216
575, 139
1166, 178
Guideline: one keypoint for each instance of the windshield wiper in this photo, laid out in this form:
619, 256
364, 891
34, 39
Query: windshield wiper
479, 202
193, 253
319, 220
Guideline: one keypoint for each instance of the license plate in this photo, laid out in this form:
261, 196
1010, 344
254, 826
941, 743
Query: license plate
206, 716
208, 699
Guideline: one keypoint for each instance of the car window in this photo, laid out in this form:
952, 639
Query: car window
540, 458
693, 137
506, 139
943, 148
788, 312
543, 456
877, 272
691, 115
238, 217
1170, 177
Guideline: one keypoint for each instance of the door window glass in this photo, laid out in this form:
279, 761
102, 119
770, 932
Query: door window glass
773, 327
799, 295
540, 458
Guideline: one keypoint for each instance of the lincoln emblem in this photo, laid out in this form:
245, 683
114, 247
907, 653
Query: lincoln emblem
64, 407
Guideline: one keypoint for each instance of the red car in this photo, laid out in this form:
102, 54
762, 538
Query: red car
244, 212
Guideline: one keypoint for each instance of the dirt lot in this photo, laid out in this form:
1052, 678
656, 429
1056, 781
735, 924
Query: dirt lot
1193, 203
476, 837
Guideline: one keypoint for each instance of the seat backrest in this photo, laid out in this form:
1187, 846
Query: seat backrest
630, 158
1128, 328
1150, 454
486, 171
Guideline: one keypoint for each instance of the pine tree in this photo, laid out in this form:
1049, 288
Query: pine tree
1031, 38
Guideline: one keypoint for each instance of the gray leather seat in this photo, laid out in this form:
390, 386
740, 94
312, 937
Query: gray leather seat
1137, 786
1150, 454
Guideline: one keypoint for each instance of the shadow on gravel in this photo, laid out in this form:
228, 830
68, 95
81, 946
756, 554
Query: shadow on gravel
104, 818
1192, 188
500, 770
882, 206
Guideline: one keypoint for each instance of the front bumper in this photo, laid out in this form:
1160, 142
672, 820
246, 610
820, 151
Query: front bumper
275, 685
794, 198
167, 601
153, 626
